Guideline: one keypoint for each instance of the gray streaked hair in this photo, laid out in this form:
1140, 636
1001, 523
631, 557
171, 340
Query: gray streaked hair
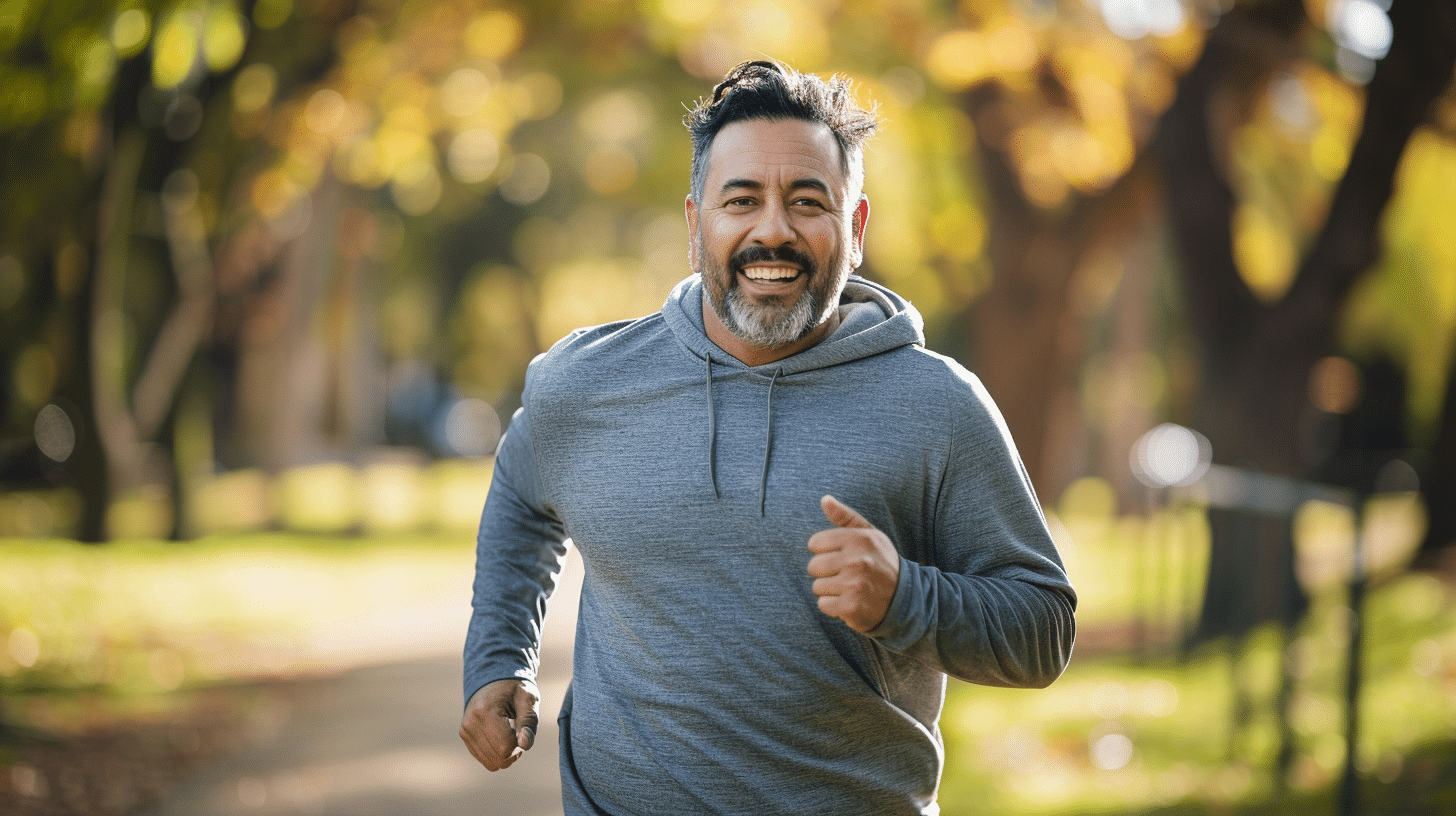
768, 90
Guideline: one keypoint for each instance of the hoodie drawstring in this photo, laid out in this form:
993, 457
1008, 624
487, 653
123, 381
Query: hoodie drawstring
712, 432
713, 436
767, 440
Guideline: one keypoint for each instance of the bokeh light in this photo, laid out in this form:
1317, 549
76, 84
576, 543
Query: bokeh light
1135, 19
1171, 455
55, 434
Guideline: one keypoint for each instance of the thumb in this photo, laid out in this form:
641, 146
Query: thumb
842, 515
527, 719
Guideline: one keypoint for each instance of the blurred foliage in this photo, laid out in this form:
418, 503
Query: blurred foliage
274, 233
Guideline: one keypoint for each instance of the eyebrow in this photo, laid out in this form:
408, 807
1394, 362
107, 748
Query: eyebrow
749, 184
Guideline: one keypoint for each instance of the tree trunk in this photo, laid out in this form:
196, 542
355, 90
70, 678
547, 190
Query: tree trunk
1257, 358
1025, 333
1438, 487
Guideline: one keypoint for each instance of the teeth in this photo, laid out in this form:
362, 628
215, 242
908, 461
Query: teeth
770, 272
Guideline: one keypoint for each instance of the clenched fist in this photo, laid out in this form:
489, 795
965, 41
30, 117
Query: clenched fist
500, 722
855, 568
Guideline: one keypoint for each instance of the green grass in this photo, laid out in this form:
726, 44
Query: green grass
137, 625
1123, 734
124, 627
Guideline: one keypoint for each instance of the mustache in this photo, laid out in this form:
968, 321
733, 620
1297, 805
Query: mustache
763, 254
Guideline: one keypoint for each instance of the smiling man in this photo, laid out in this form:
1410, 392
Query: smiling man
795, 520
776, 233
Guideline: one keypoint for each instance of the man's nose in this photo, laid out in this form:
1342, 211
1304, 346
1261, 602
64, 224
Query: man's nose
772, 229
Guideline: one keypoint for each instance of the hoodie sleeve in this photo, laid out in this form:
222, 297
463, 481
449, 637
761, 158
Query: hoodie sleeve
996, 608
519, 554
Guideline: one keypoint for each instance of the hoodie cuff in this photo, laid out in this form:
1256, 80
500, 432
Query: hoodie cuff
905, 623
485, 675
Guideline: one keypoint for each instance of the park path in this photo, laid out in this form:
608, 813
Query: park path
381, 739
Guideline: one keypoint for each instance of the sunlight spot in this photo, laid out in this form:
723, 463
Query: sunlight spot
1363, 26
958, 59
419, 771
24, 647
129, 32
416, 186
529, 180
473, 155
617, 116
1171, 455
1157, 698
610, 170
27, 780
1334, 385
1112, 752
325, 111
1427, 657
271, 14
254, 87
464, 91
1111, 700
494, 34
1135, 19
223, 38
54, 433
175, 50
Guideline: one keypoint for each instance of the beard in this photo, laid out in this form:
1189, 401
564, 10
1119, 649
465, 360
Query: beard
773, 321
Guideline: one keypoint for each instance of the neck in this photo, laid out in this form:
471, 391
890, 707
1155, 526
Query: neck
752, 355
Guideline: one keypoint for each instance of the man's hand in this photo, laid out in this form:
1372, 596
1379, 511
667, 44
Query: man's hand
500, 722
855, 568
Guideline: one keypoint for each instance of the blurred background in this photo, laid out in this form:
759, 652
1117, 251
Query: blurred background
271, 272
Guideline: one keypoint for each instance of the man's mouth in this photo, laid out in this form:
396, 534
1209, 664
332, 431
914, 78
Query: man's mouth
771, 273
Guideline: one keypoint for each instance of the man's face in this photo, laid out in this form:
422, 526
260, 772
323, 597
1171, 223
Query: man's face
778, 229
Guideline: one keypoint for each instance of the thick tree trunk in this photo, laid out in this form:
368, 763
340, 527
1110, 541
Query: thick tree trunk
1025, 333
1257, 358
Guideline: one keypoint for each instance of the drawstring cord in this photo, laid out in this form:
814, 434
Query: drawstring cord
713, 436
767, 440
712, 432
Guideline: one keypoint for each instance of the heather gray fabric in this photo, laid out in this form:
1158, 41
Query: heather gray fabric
705, 678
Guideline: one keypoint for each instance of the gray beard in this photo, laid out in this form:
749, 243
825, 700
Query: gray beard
767, 326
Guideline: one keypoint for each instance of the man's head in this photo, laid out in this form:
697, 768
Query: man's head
767, 90
776, 210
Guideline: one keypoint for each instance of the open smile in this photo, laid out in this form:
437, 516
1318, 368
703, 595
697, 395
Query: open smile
772, 274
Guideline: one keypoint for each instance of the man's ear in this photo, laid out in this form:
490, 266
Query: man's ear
858, 219
690, 208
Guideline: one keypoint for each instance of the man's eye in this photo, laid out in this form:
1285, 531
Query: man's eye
809, 202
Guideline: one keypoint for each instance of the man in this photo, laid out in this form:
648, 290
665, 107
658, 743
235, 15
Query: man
794, 520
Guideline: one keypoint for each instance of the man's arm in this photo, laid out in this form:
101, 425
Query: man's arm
996, 607
519, 553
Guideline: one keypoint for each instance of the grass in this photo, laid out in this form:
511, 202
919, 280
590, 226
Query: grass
1119, 735
132, 628
127, 629
1151, 731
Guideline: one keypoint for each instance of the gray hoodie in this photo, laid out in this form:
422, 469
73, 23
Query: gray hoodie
705, 678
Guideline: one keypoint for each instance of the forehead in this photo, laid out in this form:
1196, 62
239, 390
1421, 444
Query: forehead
775, 151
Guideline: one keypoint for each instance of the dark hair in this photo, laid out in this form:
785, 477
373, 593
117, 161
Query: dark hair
768, 90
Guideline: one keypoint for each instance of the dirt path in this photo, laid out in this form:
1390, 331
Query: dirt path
381, 740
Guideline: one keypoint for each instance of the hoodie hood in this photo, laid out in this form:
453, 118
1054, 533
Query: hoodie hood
872, 320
